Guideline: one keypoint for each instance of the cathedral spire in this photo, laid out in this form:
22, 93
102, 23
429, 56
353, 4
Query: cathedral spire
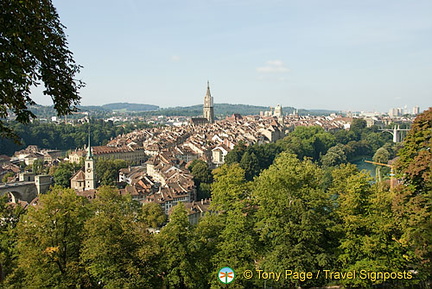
89, 150
208, 112
208, 89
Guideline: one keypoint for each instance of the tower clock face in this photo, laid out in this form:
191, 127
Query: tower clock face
89, 170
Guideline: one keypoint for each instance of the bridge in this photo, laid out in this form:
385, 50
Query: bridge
26, 190
397, 132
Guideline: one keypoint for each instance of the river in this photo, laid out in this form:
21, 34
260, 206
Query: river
361, 165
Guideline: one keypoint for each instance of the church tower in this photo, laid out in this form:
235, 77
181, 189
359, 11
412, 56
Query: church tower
89, 169
208, 112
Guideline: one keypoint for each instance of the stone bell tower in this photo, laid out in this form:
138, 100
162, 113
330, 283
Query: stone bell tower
208, 112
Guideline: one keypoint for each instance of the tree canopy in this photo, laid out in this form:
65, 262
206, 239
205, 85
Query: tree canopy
413, 199
34, 50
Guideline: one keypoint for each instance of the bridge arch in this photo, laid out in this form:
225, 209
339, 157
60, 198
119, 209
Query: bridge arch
397, 133
14, 197
27, 191
23, 191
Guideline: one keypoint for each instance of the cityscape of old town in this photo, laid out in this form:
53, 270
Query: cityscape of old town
214, 144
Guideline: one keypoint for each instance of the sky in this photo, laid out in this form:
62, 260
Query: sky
368, 55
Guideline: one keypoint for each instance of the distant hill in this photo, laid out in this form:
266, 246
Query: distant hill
317, 111
244, 109
221, 110
129, 107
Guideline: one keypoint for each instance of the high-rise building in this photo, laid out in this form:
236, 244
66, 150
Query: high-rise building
416, 110
394, 112
208, 111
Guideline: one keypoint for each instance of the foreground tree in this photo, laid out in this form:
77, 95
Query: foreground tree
204, 246
366, 230
49, 239
118, 251
9, 217
413, 200
250, 163
415, 162
33, 49
238, 244
293, 218
174, 239
229, 187
152, 215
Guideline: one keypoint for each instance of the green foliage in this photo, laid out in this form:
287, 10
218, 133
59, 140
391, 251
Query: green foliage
107, 170
229, 188
202, 176
49, 239
204, 246
7, 176
9, 217
266, 153
357, 126
174, 239
63, 173
117, 249
415, 158
293, 218
238, 246
249, 162
413, 200
355, 149
344, 136
334, 156
152, 215
258, 157
201, 172
235, 155
381, 156
38, 167
376, 139
413, 214
369, 233
310, 142
34, 49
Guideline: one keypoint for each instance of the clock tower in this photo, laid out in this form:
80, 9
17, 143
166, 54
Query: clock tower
208, 112
90, 178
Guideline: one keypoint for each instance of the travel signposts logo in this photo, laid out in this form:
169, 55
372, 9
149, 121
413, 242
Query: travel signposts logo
226, 275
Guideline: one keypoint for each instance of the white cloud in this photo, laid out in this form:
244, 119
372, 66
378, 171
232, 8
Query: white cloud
275, 62
273, 66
